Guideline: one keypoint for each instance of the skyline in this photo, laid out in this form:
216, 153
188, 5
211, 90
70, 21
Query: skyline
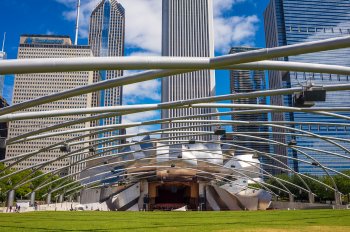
198, 169
59, 18
288, 23
244, 16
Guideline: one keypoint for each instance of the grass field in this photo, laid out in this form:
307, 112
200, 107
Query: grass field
274, 221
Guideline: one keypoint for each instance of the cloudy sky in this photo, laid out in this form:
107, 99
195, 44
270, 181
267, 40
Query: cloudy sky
237, 22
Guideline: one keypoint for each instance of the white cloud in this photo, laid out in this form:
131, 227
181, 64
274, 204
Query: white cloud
222, 6
139, 92
144, 20
139, 117
235, 31
143, 33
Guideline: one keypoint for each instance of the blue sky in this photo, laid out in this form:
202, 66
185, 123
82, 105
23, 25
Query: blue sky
237, 22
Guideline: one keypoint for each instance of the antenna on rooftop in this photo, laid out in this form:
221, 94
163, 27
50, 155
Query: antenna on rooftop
77, 24
3, 42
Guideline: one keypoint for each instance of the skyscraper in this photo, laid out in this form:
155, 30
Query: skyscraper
2, 77
106, 38
3, 130
32, 86
187, 31
295, 21
244, 81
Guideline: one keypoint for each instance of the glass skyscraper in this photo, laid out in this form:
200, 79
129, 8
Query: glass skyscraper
2, 77
106, 38
245, 81
296, 21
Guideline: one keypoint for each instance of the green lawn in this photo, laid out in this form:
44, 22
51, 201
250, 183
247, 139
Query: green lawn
263, 221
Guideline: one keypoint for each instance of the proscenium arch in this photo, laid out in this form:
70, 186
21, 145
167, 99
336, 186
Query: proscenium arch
86, 148
162, 130
278, 167
103, 165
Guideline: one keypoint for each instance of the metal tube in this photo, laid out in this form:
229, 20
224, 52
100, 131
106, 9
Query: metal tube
239, 58
32, 198
10, 198
149, 107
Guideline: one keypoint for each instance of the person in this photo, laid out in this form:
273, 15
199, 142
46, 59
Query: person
10, 208
19, 209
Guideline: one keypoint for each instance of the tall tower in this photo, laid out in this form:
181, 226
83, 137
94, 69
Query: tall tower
296, 21
2, 57
245, 81
106, 38
31, 86
188, 31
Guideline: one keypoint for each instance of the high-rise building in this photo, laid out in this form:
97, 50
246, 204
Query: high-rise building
2, 77
296, 21
106, 38
187, 31
3, 131
32, 86
245, 81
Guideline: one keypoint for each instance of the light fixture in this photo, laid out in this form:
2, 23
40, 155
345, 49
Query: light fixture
219, 131
309, 97
293, 142
65, 148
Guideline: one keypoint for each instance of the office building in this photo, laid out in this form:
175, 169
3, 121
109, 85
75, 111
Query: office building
187, 31
2, 77
245, 81
3, 131
106, 38
295, 21
32, 86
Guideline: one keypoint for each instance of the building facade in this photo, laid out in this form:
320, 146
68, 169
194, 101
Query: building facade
32, 86
3, 131
295, 21
245, 81
187, 31
106, 38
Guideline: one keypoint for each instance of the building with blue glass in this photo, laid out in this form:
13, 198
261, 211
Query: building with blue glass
2, 77
296, 21
106, 38
245, 81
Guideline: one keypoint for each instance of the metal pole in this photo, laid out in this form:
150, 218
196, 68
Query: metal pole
48, 198
60, 198
311, 198
77, 24
10, 198
338, 198
32, 198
